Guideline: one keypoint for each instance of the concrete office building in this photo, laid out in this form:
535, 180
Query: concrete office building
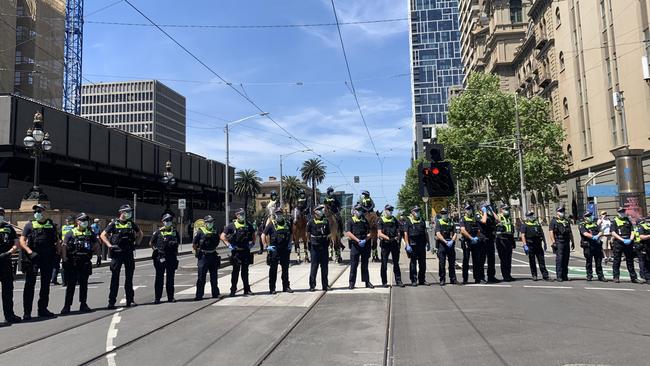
147, 109
435, 65
32, 37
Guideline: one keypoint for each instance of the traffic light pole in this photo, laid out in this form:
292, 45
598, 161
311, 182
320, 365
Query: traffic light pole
522, 182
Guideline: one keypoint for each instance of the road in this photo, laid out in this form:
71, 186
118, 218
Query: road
519, 323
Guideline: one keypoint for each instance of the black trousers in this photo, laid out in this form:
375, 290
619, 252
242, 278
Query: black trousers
207, 262
77, 273
536, 253
117, 260
359, 254
594, 253
472, 251
44, 264
7, 282
446, 256
169, 264
643, 269
319, 257
504, 245
418, 264
562, 259
619, 250
240, 262
56, 268
390, 249
281, 257
487, 253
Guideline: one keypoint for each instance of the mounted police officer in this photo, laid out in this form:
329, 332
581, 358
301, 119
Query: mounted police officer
389, 232
164, 242
303, 204
367, 204
470, 231
205, 245
318, 231
623, 233
121, 237
358, 233
277, 237
39, 241
505, 242
69, 225
79, 245
488, 227
240, 236
562, 238
534, 241
592, 246
417, 241
8, 246
334, 206
446, 239
642, 248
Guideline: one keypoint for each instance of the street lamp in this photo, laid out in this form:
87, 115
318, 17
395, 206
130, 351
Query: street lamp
169, 183
37, 141
284, 155
226, 130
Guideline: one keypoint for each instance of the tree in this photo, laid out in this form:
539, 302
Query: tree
247, 184
409, 194
290, 190
313, 171
480, 137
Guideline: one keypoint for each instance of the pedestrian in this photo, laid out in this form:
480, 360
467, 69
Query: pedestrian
390, 236
535, 246
642, 248
318, 231
505, 242
101, 249
446, 240
66, 228
39, 240
240, 238
623, 234
205, 245
277, 237
8, 246
358, 234
417, 244
605, 225
592, 246
78, 247
121, 237
164, 243
470, 231
562, 238
488, 227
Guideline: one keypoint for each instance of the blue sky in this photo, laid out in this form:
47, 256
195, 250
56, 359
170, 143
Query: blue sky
269, 63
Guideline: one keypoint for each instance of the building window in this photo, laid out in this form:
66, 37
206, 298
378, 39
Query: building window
561, 60
569, 152
558, 19
565, 106
516, 15
426, 133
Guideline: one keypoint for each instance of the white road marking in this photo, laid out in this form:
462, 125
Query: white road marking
110, 336
486, 285
610, 289
554, 287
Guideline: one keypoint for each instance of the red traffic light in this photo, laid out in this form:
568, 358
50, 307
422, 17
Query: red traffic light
435, 171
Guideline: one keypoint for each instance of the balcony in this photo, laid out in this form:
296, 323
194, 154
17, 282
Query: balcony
544, 78
542, 40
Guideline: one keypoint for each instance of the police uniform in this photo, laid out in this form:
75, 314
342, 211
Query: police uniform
642, 249
534, 234
417, 239
335, 207
279, 250
122, 236
359, 252
472, 249
592, 247
241, 237
561, 229
79, 244
446, 252
623, 227
487, 246
41, 239
319, 231
390, 227
165, 259
205, 244
7, 242
367, 204
505, 243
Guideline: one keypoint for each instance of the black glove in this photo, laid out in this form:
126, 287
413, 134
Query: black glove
573, 246
5, 255
554, 248
33, 255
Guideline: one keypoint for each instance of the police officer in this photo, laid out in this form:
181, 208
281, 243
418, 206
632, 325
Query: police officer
488, 228
534, 241
562, 238
642, 248
239, 236
358, 233
8, 246
277, 237
205, 245
367, 204
318, 231
334, 206
389, 233
470, 231
591, 245
623, 234
164, 242
39, 241
417, 241
69, 225
121, 237
446, 240
79, 244
505, 242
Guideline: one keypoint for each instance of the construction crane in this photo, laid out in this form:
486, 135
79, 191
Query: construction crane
73, 56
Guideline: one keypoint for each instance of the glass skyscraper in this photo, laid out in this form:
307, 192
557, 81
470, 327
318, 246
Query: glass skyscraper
436, 64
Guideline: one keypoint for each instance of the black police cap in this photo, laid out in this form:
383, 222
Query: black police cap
124, 208
389, 208
530, 213
505, 207
561, 209
365, 193
443, 211
208, 218
621, 209
240, 212
588, 214
469, 206
39, 206
415, 208
167, 217
82, 217
2, 210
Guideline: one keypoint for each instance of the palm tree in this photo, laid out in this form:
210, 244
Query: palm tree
247, 184
290, 190
313, 171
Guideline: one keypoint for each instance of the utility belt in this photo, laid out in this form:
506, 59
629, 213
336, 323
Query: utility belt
504, 233
388, 242
208, 251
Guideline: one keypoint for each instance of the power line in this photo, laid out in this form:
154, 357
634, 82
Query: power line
249, 26
101, 9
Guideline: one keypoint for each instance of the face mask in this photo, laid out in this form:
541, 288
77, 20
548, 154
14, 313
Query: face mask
2, 219
83, 224
622, 214
589, 219
38, 216
167, 223
318, 213
445, 216
209, 225
469, 212
241, 219
387, 213
530, 218
560, 215
416, 215
280, 219
506, 213
357, 214
127, 215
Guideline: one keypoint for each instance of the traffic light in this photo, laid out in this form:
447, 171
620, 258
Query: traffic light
434, 152
436, 179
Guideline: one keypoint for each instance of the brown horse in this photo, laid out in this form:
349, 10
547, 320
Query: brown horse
299, 232
335, 238
372, 219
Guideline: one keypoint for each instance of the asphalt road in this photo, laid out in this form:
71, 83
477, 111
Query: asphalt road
518, 323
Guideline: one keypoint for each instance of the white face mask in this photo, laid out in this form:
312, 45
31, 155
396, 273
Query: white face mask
241, 219
357, 214
444, 216
167, 223
560, 215
416, 215
38, 216
318, 213
127, 215
209, 225
506, 213
2, 219
83, 224
387, 213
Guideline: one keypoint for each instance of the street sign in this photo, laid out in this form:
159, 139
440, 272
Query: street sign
602, 190
356, 179
182, 204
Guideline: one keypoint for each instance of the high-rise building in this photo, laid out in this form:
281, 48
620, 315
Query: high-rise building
436, 65
147, 108
32, 37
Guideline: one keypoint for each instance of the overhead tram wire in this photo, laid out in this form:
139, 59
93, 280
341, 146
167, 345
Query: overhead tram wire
207, 67
249, 26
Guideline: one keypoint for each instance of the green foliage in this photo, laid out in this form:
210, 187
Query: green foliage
313, 171
409, 194
290, 190
247, 184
